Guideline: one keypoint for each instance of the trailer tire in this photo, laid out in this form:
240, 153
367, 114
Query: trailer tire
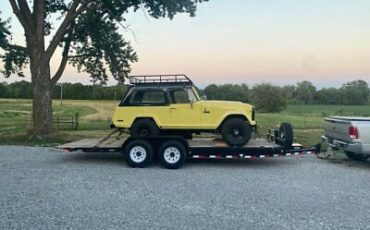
356, 157
144, 127
138, 153
286, 135
172, 154
236, 132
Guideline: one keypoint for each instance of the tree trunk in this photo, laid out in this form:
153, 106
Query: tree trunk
42, 112
42, 100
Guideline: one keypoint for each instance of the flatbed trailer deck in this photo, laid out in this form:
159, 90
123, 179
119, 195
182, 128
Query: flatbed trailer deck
197, 148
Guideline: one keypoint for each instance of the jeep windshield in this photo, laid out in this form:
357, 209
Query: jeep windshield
193, 96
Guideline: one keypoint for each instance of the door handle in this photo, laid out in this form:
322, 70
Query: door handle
172, 108
206, 111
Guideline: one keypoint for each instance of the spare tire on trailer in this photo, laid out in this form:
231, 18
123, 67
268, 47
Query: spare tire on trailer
286, 135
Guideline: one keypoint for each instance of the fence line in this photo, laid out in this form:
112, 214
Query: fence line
58, 121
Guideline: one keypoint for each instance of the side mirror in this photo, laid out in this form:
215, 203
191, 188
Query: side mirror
204, 97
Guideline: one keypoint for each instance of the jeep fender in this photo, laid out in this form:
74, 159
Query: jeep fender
156, 121
231, 115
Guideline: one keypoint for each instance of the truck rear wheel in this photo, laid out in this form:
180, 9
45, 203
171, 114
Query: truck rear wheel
172, 154
138, 153
236, 132
144, 127
356, 157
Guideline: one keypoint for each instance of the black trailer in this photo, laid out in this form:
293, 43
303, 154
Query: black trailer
172, 151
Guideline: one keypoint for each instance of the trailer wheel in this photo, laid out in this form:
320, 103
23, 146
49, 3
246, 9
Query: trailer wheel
138, 153
286, 135
356, 157
236, 132
172, 154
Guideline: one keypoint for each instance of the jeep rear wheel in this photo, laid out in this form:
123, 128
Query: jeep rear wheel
144, 127
236, 132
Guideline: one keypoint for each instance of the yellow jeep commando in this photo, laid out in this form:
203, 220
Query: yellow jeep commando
171, 105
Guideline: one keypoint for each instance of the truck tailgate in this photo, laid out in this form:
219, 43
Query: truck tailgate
337, 129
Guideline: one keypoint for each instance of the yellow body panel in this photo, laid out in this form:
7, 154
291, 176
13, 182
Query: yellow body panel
199, 115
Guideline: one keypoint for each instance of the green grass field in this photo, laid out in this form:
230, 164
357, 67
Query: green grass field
307, 120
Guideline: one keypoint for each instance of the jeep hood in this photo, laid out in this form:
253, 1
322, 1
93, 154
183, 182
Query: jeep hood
228, 104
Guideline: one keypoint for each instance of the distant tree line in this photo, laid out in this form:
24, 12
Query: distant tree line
76, 91
266, 97
270, 98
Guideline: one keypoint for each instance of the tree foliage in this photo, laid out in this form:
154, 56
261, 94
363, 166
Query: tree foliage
227, 92
305, 92
328, 96
355, 93
268, 98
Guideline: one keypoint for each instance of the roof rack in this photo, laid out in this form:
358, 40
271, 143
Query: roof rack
171, 79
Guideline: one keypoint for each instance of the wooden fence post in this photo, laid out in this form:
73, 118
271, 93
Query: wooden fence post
77, 121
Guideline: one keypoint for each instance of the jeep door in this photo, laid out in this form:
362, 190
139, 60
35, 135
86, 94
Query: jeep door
185, 110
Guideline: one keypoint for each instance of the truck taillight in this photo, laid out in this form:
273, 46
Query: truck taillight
353, 132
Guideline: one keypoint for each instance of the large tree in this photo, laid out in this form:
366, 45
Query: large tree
305, 92
355, 93
88, 33
268, 98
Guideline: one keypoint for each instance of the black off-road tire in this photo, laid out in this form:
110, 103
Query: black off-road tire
356, 157
138, 153
236, 132
172, 154
144, 127
286, 135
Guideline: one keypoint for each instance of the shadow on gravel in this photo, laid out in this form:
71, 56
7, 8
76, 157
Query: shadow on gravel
240, 163
351, 163
94, 158
343, 160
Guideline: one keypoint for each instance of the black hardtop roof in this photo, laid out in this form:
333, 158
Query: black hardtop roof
160, 80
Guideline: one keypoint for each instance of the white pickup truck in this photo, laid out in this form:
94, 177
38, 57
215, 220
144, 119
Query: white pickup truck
352, 134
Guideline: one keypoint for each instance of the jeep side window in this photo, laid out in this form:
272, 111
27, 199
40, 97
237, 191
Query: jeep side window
145, 97
136, 97
179, 96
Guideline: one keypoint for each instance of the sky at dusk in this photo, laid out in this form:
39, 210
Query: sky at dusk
249, 41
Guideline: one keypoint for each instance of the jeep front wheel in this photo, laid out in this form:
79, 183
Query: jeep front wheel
236, 132
144, 127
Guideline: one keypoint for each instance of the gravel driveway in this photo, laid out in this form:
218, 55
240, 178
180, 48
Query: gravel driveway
43, 188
